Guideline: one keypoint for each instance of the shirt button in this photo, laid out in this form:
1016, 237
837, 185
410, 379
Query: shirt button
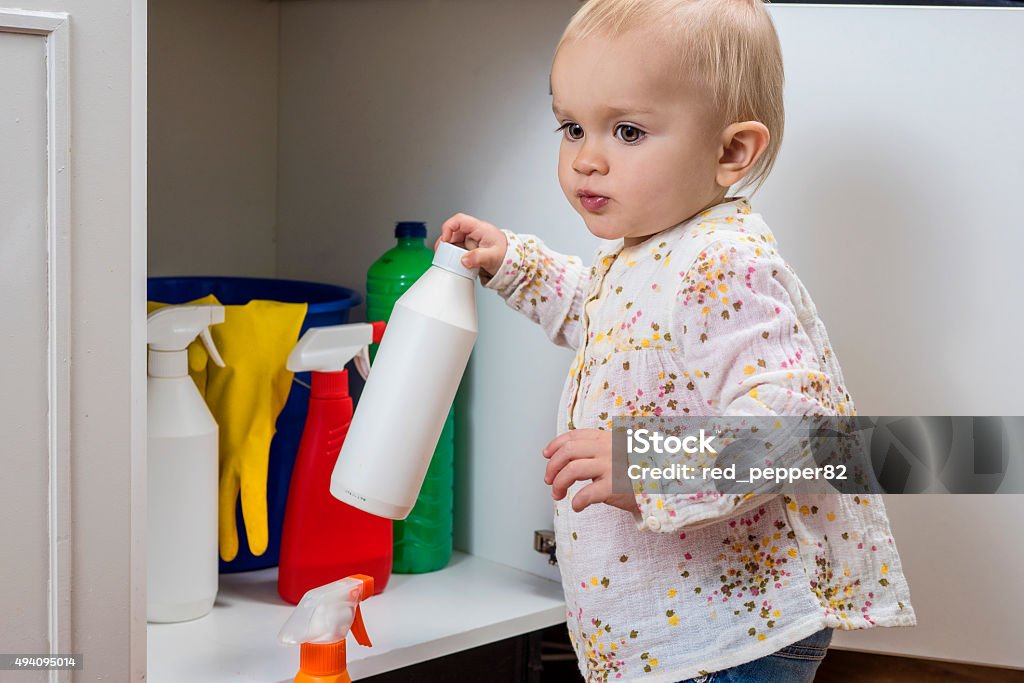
653, 523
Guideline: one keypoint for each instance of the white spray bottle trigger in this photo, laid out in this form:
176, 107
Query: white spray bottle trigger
211, 348
328, 349
172, 328
326, 614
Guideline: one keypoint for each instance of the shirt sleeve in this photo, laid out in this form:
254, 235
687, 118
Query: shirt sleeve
738, 315
547, 287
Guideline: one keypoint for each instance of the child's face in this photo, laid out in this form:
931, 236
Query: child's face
640, 148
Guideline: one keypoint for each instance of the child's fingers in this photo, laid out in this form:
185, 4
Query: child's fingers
474, 234
594, 492
570, 450
488, 258
476, 257
554, 444
446, 231
571, 435
453, 223
457, 227
483, 234
457, 235
577, 470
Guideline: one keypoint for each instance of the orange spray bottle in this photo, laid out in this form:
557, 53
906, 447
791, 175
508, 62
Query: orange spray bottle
319, 625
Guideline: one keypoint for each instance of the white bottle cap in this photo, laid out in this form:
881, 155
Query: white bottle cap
449, 257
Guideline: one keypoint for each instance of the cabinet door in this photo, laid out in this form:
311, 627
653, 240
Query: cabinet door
35, 443
72, 278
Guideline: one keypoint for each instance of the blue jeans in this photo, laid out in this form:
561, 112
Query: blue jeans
794, 663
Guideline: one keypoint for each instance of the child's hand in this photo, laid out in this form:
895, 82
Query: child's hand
582, 454
486, 242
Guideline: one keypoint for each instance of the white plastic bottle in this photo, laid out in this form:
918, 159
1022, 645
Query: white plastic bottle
410, 389
181, 530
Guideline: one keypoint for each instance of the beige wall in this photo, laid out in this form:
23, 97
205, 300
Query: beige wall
213, 151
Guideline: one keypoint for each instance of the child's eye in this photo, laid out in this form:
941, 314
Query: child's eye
572, 131
629, 134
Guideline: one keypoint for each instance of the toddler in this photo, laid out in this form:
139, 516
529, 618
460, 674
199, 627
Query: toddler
688, 309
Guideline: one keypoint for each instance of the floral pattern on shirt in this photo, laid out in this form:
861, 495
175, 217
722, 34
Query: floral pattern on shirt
703, 319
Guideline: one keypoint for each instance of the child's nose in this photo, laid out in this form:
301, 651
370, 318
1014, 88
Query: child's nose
590, 160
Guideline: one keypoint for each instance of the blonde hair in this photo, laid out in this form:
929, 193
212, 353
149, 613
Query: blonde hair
729, 47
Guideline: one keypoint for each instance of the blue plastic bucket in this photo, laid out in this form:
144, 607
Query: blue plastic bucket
327, 305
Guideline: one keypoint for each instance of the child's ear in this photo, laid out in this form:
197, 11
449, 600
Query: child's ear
742, 144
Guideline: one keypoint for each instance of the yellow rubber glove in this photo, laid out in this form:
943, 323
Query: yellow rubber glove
245, 398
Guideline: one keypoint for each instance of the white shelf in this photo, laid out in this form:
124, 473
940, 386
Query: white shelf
417, 617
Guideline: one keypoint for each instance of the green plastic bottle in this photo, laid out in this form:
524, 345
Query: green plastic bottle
423, 540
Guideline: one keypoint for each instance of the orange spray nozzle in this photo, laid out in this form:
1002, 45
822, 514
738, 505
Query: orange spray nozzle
323, 663
358, 628
320, 623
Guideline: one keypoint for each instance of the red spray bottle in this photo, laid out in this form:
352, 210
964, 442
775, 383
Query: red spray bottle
323, 539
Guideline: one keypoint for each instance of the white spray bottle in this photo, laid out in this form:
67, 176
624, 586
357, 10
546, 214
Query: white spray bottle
182, 469
410, 390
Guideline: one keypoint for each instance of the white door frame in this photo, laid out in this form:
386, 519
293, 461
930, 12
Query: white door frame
53, 28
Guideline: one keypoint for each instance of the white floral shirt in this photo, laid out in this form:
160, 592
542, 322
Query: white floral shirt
703, 319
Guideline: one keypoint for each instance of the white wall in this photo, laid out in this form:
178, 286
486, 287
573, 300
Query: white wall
895, 199
898, 175
213, 151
